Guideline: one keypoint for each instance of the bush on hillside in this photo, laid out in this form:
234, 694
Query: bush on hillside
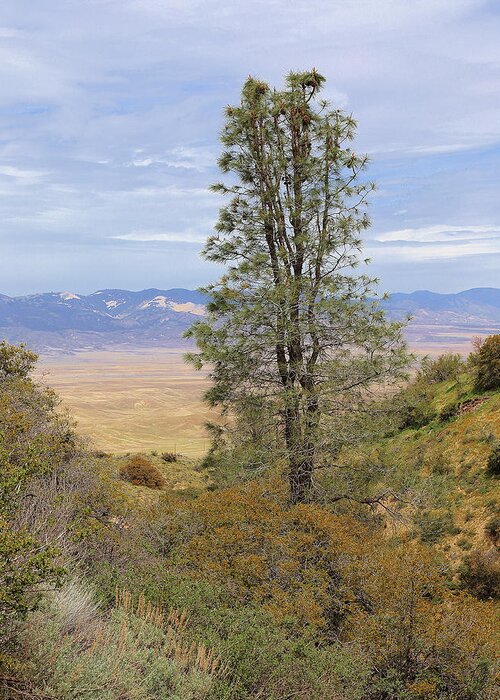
136, 651
481, 573
486, 364
492, 529
414, 405
35, 443
434, 524
444, 368
169, 456
493, 464
325, 577
16, 360
139, 471
448, 412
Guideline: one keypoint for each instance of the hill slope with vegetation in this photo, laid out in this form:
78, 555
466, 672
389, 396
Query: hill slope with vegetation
151, 576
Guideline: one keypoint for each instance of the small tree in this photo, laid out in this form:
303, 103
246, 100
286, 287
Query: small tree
486, 363
290, 326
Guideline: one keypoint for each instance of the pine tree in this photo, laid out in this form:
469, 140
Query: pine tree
291, 327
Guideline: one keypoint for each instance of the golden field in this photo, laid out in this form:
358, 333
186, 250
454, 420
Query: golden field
143, 399
134, 400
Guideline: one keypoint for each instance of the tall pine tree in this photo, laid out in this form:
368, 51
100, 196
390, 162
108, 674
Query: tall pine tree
291, 328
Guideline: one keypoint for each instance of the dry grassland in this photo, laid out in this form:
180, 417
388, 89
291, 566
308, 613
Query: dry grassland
132, 401
149, 399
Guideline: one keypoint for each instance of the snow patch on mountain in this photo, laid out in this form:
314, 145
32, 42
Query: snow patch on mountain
189, 308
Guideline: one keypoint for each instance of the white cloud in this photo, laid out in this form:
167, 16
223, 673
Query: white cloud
428, 253
166, 236
111, 111
440, 233
20, 174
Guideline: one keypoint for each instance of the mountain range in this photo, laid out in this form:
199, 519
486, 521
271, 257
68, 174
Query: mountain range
64, 321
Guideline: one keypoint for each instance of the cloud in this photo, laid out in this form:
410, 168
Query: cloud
19, 174
110, 112
442, 233
435, 243
167, 236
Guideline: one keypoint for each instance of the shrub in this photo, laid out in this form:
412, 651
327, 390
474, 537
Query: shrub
486, 363
36, 444
138, 651
448, 412
434, 524
445, 367
492, 529
141, 472
415, 405
420, 635
16, 360
169, 456
481, 573
493, 464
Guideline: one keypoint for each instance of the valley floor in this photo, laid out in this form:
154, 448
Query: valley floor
134, 400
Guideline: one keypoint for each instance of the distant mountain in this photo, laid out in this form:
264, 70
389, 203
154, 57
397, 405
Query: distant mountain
63, 321
67, 321
474, 307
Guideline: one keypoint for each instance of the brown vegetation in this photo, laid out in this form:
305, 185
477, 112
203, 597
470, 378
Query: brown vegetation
139, 471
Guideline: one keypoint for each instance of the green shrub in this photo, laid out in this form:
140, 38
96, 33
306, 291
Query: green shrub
16, 360
415, 406
36, 443
493, 464
444, 368
138, 651
433, 525
486, 364
139, 471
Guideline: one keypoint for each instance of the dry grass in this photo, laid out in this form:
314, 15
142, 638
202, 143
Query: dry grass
133, 401
174, 622
150, 399
179, 476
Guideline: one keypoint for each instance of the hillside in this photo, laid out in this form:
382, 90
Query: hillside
154, 576
65, 321
109, 317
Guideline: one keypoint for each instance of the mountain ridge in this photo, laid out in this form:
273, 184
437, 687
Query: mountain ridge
69, 321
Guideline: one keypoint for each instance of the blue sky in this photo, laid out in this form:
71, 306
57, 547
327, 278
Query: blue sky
110, 111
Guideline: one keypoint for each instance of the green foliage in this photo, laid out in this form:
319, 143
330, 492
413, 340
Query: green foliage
137, 652
445, 367
16, 360
25, 563
34, 441
141, 472
486, 363
49, 495
434, 524
415, 405
493, 465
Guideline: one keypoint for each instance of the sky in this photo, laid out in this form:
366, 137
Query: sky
110, 112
